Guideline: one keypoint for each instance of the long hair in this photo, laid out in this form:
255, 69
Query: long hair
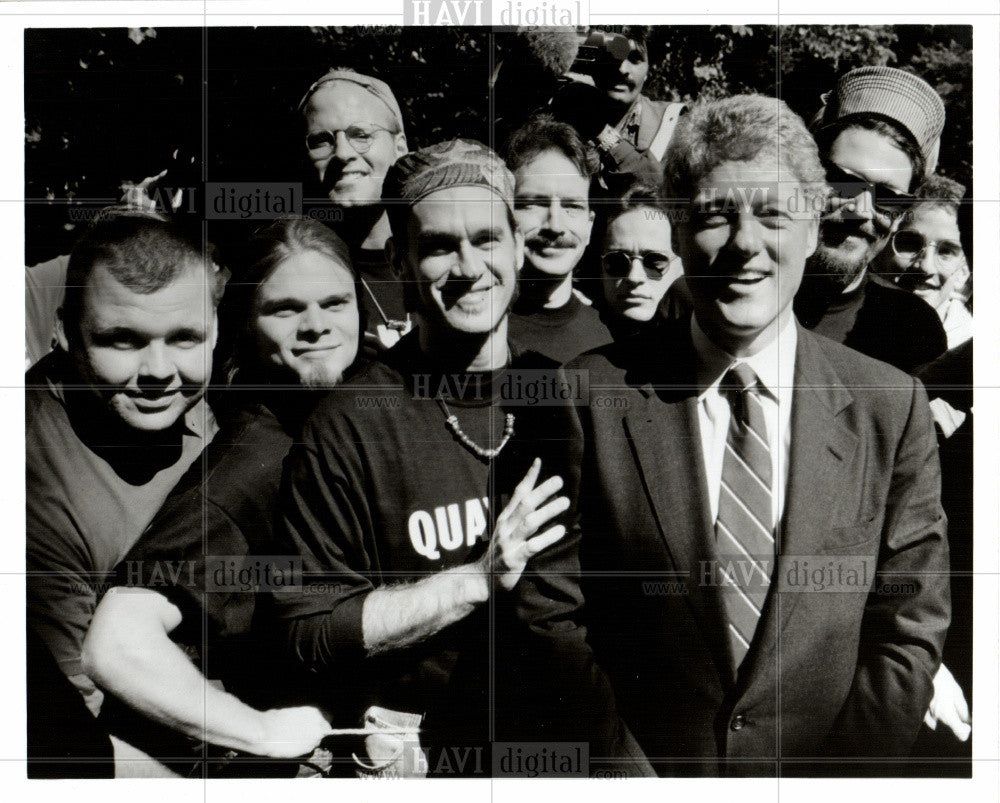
264, 252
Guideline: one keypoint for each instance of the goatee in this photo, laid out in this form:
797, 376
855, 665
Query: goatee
320, 377
832, 267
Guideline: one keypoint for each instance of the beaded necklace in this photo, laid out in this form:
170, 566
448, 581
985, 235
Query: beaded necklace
485, 454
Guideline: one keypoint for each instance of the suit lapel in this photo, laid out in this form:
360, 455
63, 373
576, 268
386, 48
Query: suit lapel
821, 449
666, 442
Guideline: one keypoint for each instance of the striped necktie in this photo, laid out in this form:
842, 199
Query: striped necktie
744, 528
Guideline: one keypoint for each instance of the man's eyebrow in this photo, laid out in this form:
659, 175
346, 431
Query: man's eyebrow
188, 332
112, 332
347, 295
275, 303
435, 236
487, 232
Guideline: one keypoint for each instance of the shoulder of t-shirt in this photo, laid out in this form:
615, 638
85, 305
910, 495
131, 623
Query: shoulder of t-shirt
527, 359
246, 453
43, 387
354, 399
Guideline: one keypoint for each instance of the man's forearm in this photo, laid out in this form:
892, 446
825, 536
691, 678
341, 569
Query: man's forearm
148, 671
396, 616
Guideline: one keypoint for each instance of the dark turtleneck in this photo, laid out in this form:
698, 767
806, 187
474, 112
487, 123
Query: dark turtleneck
559, 333
876, 318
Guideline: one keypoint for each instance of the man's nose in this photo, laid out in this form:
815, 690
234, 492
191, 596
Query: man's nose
469, 264
858, 207
313, 321
555, 217
156, 366
342, 149
636, 273
925, 261
746, 238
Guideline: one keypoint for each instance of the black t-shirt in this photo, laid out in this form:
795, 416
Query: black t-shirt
877, 319
380, 491
560, 334
209, 546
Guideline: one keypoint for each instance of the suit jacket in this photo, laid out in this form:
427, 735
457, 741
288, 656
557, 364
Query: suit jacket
843, 658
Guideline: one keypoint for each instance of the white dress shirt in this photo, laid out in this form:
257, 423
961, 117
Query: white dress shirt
775, 368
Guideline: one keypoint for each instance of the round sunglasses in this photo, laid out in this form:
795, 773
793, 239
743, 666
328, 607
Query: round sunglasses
322, 144
908, 245
619, 263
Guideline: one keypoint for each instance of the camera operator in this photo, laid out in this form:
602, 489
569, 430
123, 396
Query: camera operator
602, 97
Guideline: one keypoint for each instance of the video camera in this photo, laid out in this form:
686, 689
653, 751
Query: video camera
601, 48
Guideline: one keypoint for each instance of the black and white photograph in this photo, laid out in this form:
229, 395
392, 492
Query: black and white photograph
488, 391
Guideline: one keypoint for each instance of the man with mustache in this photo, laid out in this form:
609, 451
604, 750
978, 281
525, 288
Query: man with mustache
396, 496
729, 454
879, 134
115, 415
353, 134
552, 175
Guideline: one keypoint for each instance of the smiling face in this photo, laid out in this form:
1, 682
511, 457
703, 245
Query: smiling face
462, 257
147, 355
927, 274
306, 319
638, 232
744, 250
853, 231
553, 212
351, 178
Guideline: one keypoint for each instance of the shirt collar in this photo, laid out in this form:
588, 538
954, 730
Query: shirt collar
774, 364
632, 117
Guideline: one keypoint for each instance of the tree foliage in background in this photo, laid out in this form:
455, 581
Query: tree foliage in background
104, 106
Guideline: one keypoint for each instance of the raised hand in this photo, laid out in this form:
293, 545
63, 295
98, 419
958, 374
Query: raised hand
514, 539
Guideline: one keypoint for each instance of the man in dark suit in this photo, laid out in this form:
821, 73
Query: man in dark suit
762, 543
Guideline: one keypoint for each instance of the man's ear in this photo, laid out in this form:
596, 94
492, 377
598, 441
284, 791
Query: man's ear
518, 250
399, 140
61, 338
813, 235
215, 327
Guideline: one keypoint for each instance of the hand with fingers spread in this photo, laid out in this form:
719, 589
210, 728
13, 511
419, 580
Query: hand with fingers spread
514, 539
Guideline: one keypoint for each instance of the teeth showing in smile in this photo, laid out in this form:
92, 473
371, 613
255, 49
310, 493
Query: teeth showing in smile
474, 297
748, 276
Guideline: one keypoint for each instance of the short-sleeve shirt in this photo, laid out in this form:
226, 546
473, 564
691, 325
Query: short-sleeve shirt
88, 501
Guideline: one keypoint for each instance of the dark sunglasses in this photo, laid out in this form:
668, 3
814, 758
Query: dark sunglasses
886, 200
619, 263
